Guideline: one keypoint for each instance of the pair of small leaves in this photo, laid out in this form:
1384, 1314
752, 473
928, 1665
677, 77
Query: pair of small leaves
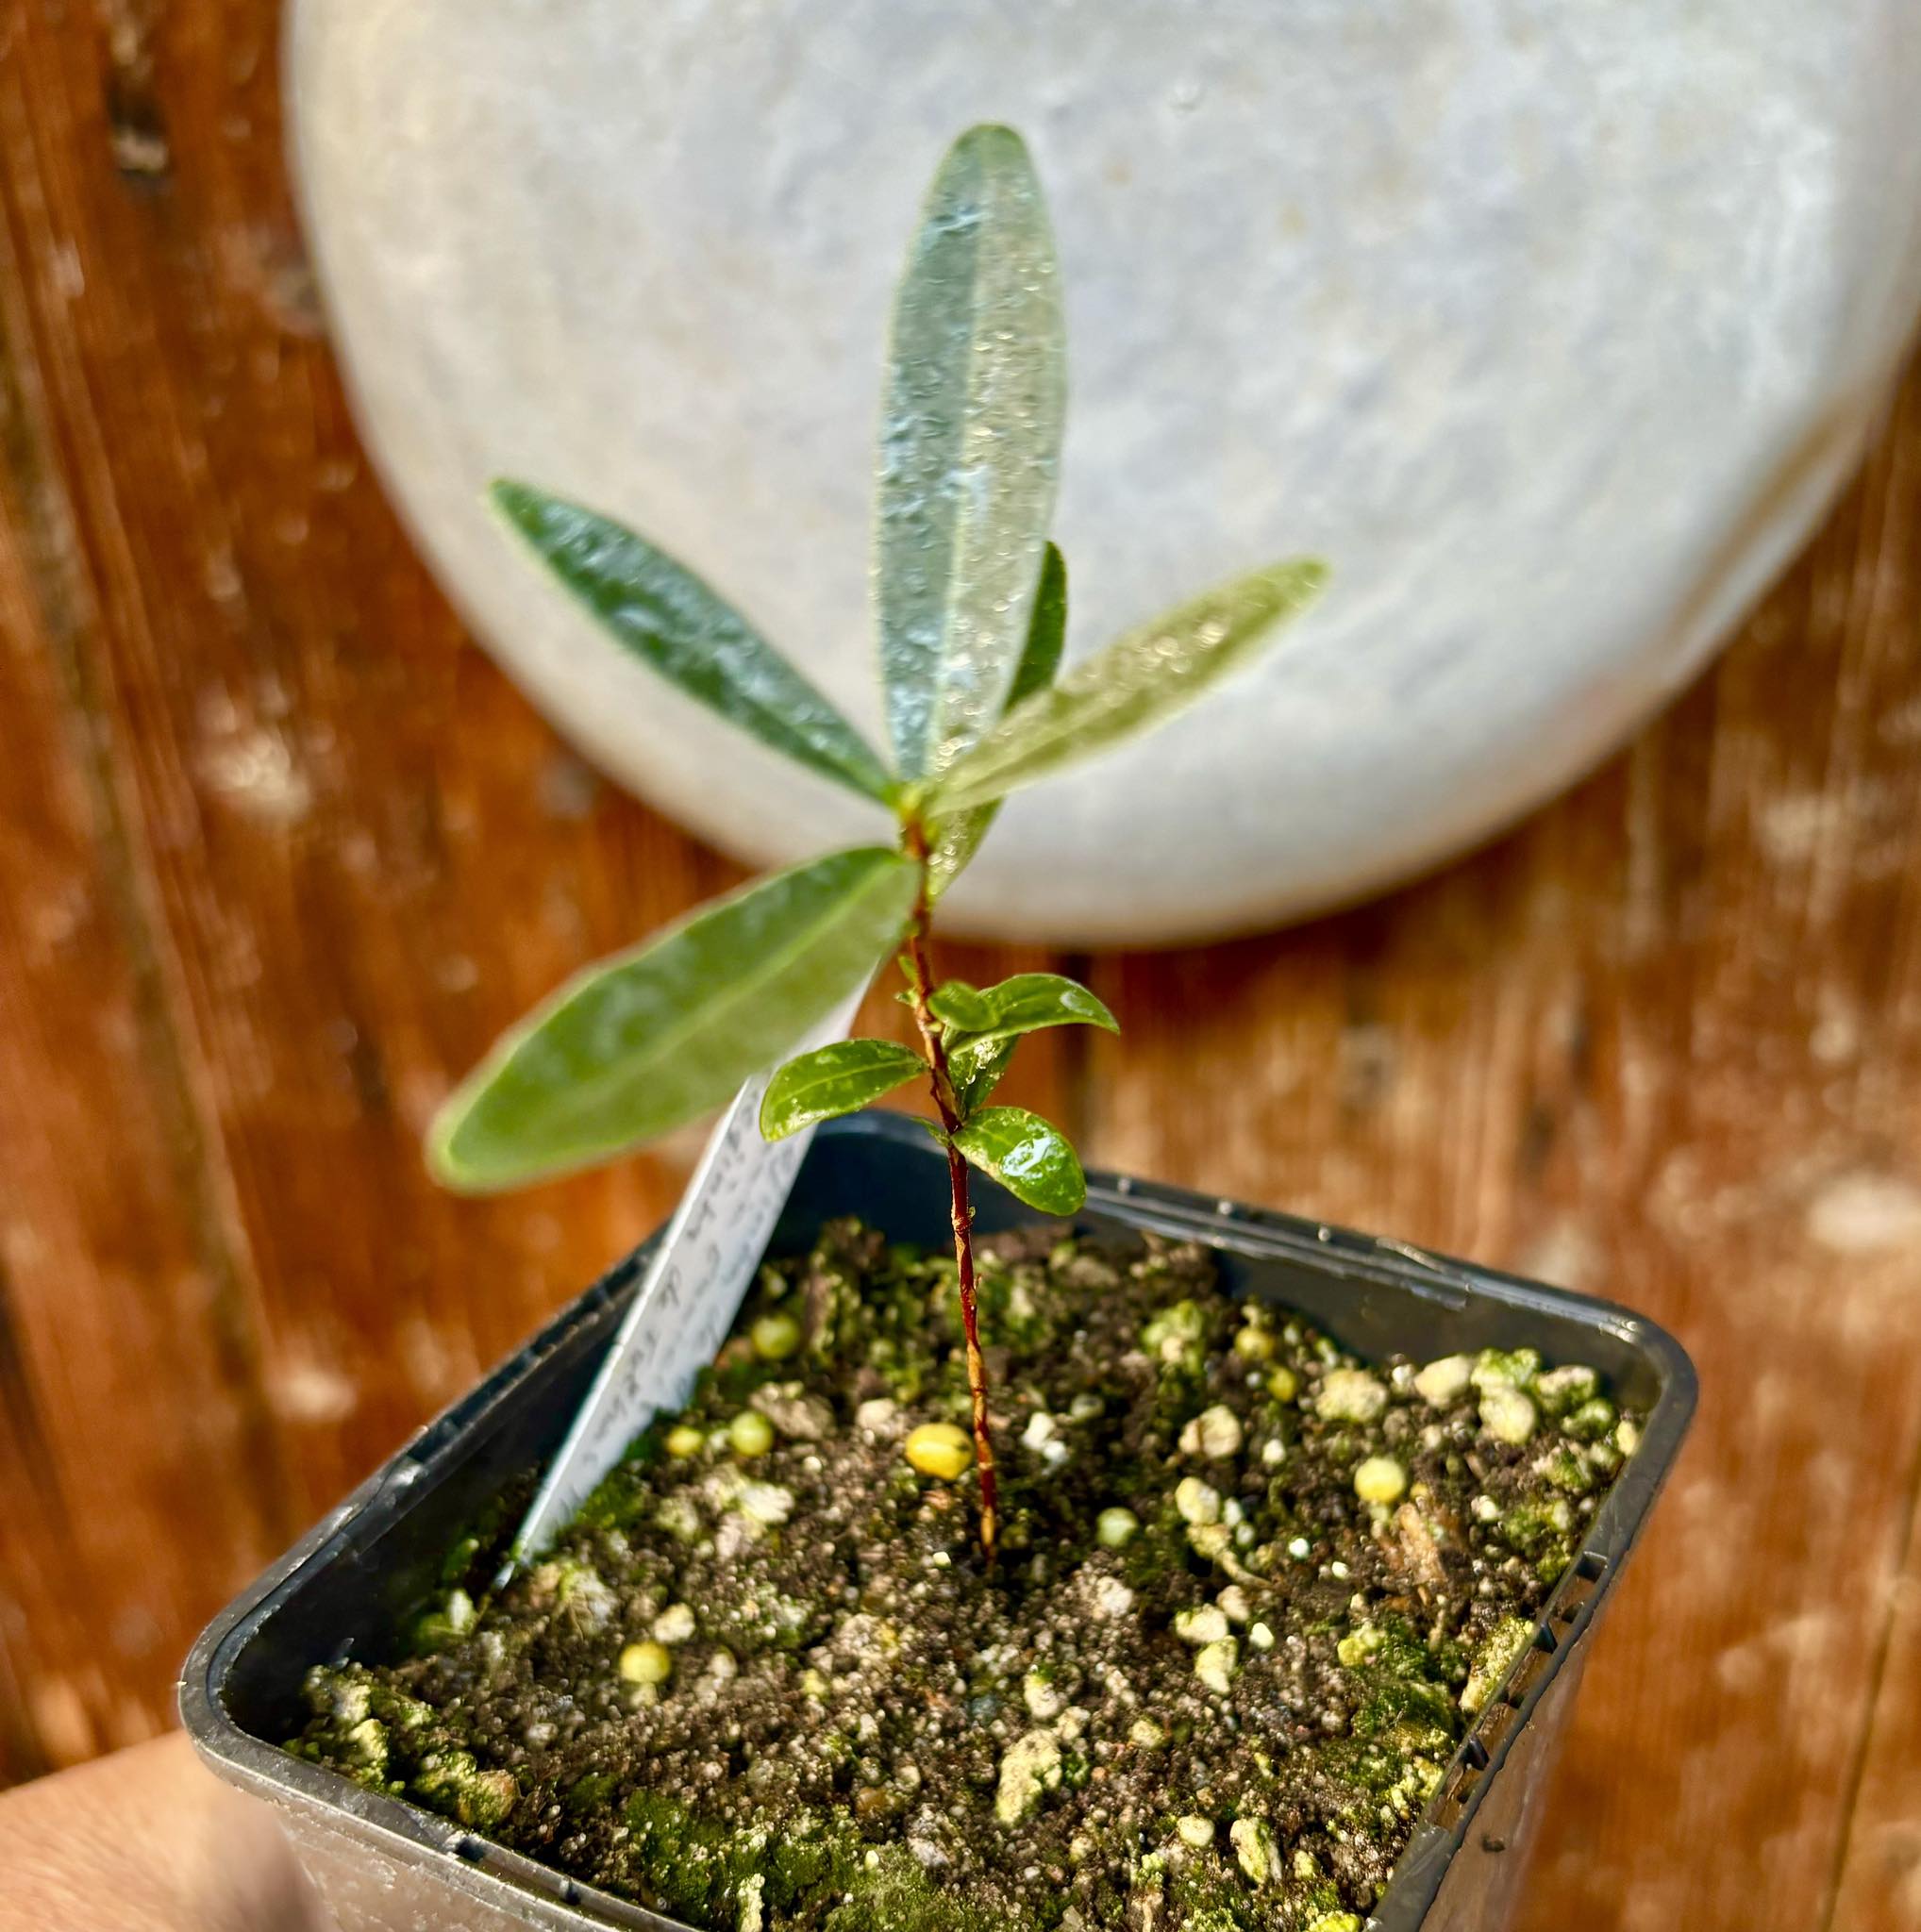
1027, 1156
1023, 1004
981, 1029
983, 1026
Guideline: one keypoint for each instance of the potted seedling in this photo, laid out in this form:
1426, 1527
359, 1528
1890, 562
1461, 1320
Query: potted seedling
971, 609
1041, 1560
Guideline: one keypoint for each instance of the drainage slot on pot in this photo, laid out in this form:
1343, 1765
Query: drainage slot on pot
1451, 1805
1579, 1589
1527, 1674
1496, 1727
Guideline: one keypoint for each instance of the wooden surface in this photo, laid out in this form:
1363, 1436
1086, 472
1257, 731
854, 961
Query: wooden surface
279, 851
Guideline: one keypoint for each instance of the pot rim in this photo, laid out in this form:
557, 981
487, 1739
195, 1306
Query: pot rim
406, 1832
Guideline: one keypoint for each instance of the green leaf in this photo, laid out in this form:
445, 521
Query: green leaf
1029, 1158
974, 1070
1025, 1003
1046, 630
665, 616
960, 1006
984, 1024
952, 847
644, 1042
956, 840
970, 448
832, 1080
1138, 682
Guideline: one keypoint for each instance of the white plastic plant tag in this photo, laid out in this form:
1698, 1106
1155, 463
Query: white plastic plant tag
687, 1299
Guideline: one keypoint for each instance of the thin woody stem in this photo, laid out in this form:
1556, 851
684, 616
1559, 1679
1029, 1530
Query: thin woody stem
920, 980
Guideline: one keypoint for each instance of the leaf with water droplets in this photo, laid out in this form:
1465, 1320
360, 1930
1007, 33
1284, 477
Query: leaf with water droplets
1023, 1004
1046, 630
974, 1071
1031, 1158
661, 613
962, 1007
641, 1044
1138, 682
970, 448
831, 1080
957, 838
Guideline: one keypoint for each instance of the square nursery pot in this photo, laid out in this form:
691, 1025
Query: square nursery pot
385, 1866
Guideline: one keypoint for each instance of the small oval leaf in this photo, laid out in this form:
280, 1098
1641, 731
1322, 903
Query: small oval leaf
960, 1006
1029, 1156
664, 615
956, 840
1030, 1001
641, 1044
974, 1071
1138, 682
832, 1080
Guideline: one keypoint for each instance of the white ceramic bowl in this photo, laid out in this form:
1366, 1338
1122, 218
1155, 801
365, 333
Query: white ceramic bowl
1552, 328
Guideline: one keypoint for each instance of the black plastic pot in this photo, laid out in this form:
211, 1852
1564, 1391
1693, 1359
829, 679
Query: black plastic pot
349, 1585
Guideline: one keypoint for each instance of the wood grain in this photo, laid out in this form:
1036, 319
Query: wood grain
1659, 1044
122, 1316
282, 854
1878, 1886
279, 851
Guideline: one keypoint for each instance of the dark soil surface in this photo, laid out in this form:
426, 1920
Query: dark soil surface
1250, 1592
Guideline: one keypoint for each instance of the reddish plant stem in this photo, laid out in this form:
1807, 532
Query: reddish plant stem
920, 980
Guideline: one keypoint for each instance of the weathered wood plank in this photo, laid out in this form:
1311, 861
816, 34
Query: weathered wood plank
1876, 1886
356, 851
127, 1330
1661, 1043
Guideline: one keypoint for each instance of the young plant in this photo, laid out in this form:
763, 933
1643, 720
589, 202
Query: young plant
971, 609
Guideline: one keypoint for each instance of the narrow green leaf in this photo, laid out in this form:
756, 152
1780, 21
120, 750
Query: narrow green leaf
1138, 682
954, 843
1025, 1003
1046, 630
957, 839
1029, 1156
975, 1069
666, 617
960, 1006
645, 1041
970, 446
839, 1078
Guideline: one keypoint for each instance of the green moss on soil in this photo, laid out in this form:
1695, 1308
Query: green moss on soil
1229, 1723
